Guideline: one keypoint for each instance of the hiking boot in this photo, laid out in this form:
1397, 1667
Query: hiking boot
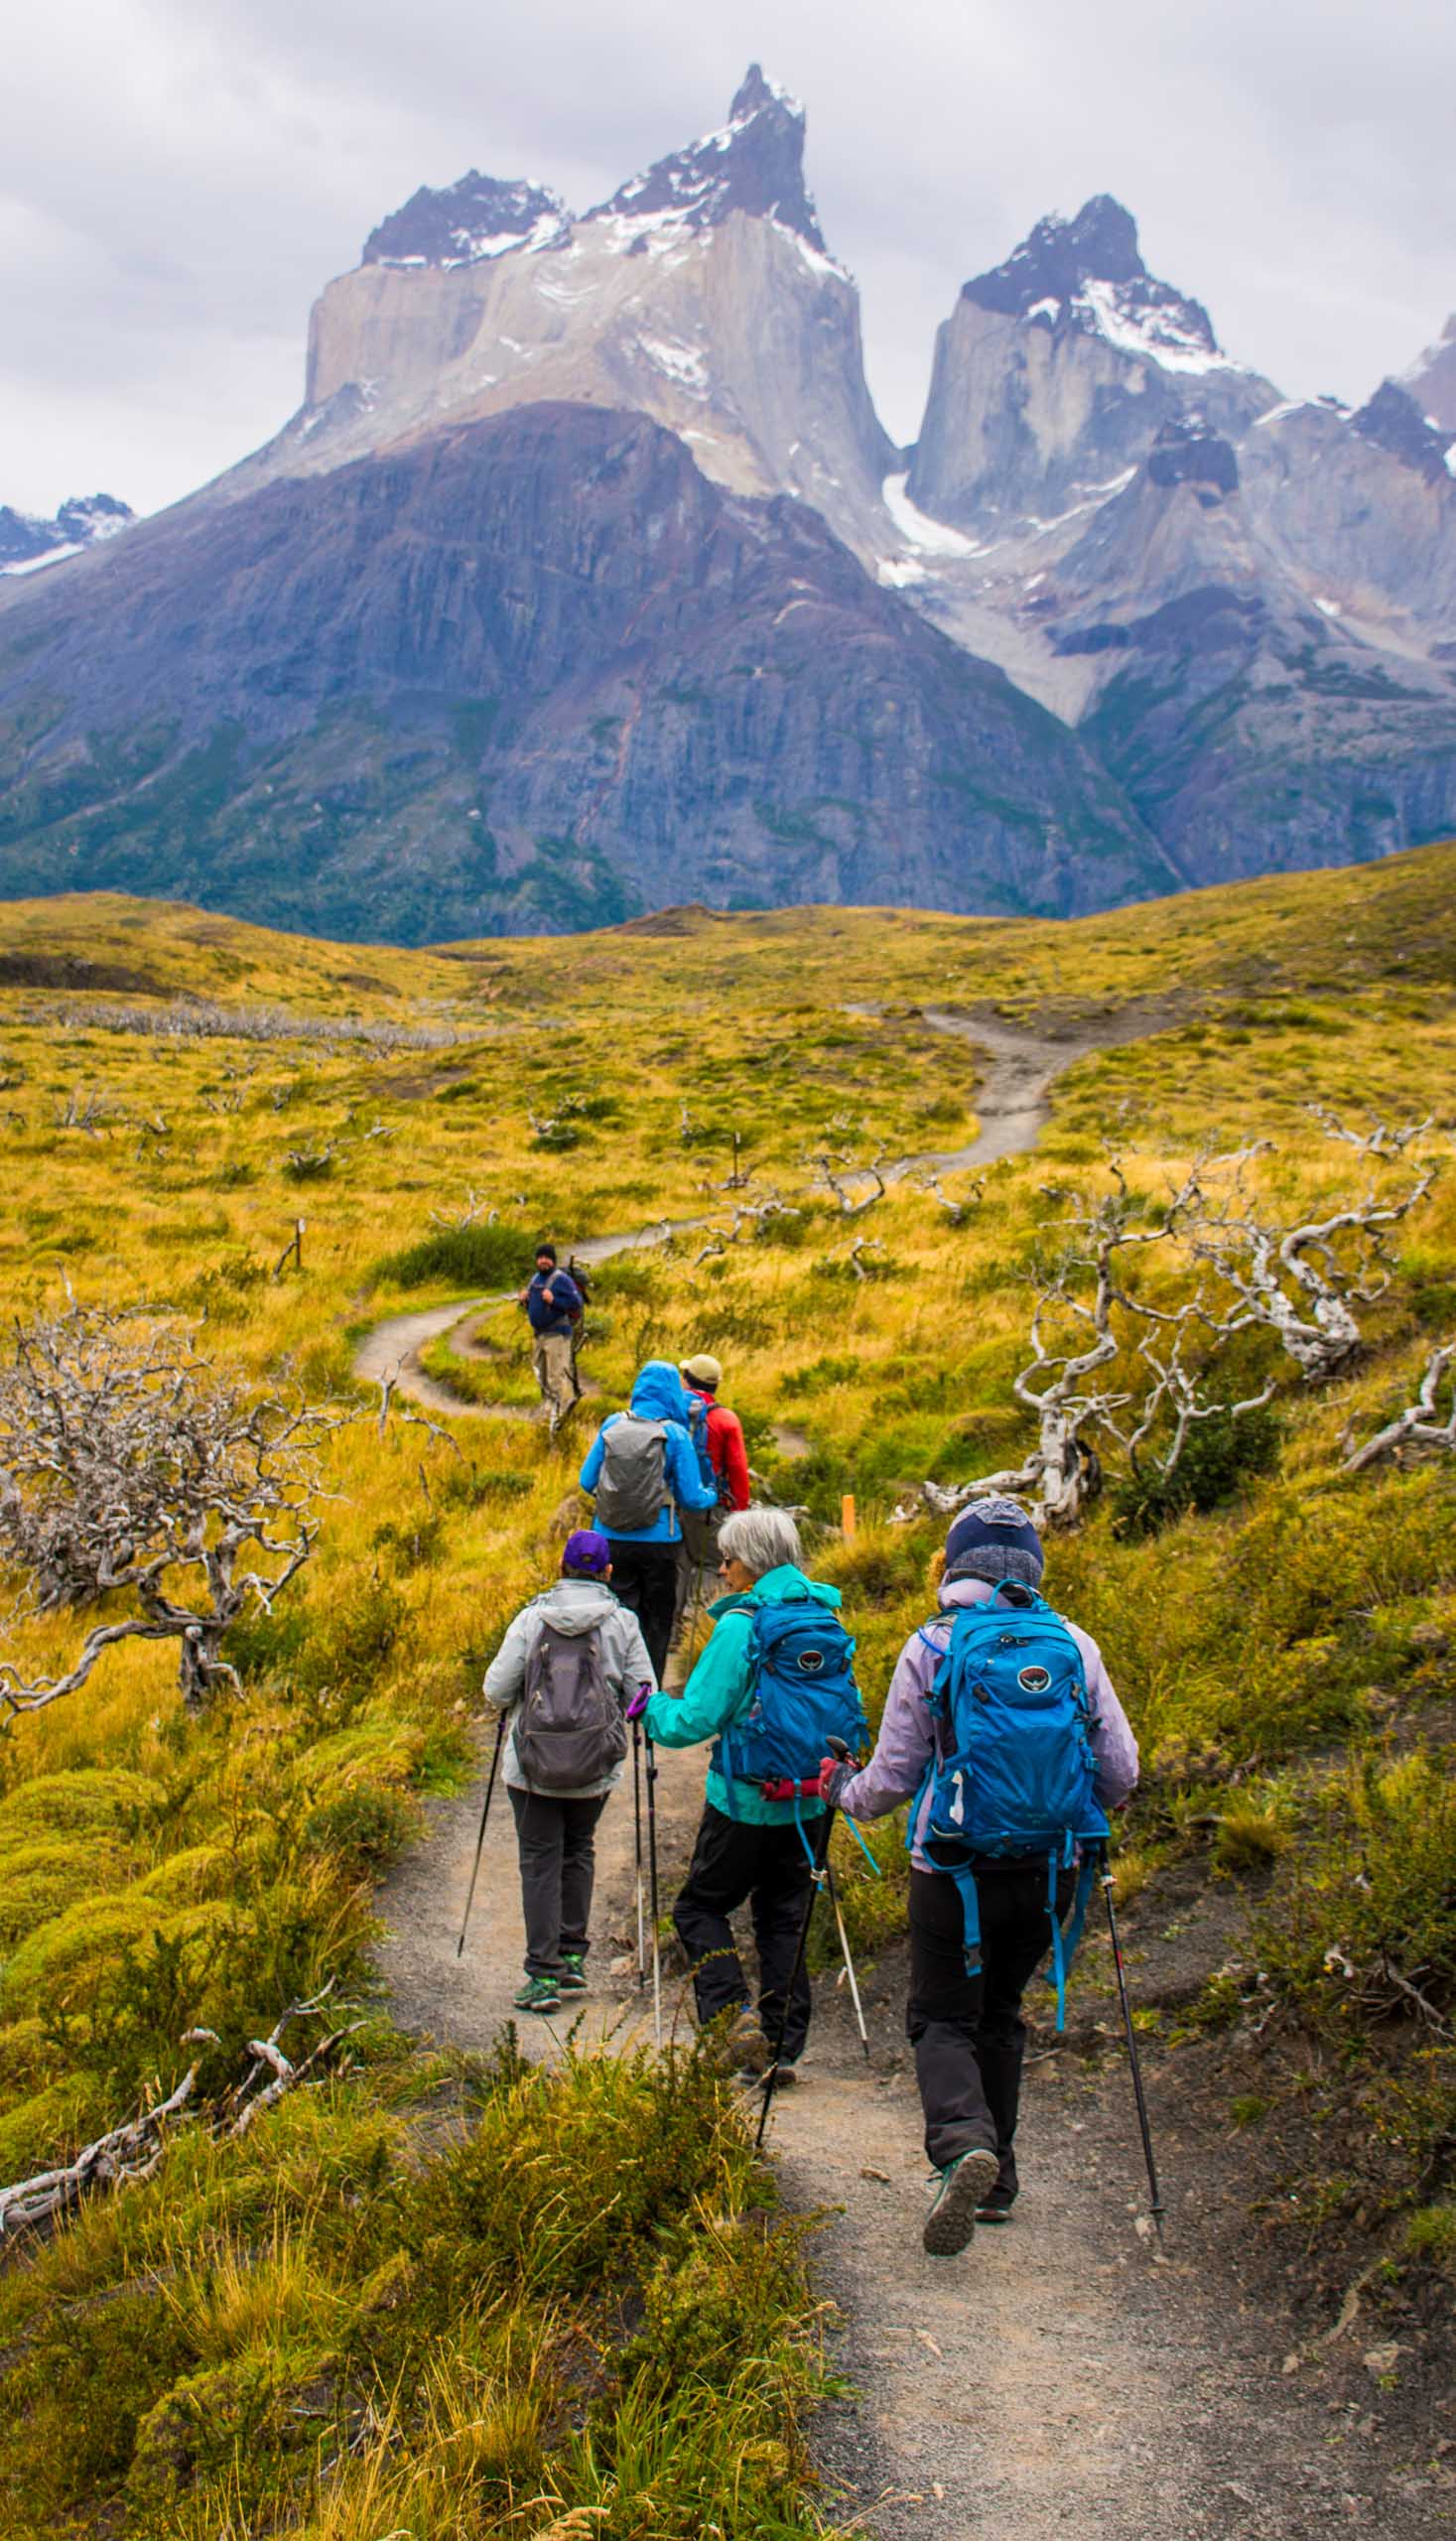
747, 2040
573, 1977
995, 2207
964, 2186
539, 1994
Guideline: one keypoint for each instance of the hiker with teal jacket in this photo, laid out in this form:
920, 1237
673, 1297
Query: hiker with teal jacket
776, 1673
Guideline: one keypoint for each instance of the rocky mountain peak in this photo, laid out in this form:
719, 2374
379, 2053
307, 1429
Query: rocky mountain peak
1393, 422
1089, 273
465, 223
753, 163
81, 521
1431, 379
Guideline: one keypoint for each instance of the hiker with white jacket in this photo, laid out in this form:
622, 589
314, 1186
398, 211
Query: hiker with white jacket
568, 1666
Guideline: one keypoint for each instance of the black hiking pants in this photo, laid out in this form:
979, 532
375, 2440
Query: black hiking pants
967, 2031
733, 1860
556, 1843
644, 1578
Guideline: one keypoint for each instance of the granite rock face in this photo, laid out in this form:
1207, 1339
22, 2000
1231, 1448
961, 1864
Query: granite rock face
537, 671
1056, 372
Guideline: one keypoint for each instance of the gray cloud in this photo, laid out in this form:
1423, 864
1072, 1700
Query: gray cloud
178, 183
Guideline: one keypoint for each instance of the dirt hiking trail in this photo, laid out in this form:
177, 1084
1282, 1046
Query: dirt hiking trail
1059, 2377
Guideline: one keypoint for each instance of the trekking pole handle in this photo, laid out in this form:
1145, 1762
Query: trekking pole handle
838, 1750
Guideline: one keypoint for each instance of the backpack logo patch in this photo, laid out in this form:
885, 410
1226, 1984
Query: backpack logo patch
811, 1662
1033, 1680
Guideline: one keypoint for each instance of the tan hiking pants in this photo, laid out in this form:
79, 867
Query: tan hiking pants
552, 1359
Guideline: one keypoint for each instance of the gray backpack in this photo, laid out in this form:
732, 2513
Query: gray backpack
570, 1729
631, 1488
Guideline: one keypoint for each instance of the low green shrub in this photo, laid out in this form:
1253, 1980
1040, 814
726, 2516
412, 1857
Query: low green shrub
478, 1256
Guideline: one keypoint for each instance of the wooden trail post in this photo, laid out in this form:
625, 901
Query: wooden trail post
847, 1514
295, 1247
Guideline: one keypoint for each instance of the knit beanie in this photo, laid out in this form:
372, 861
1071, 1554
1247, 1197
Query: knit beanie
994, 1539
704, 1369
545, 1251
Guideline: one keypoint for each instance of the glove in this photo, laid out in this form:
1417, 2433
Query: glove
639, 1702
833, 1773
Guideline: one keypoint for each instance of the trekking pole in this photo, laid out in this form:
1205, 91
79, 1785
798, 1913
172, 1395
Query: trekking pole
637, 1854
460, 1946
815, 1884
834, 1899
652, 1879
1132, 2038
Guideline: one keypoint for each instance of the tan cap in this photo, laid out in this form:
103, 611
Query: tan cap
706, 1369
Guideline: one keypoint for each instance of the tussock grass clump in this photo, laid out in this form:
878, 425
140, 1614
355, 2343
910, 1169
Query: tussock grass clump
319, 2329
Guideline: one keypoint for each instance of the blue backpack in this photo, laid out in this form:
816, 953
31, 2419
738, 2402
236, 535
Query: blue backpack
804, 1694
1012, 1771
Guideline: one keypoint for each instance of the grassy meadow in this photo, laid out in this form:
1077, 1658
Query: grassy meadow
368, 2315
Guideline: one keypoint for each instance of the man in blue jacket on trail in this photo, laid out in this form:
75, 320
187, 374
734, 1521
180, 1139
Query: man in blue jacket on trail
643, 1467
748, 1847
553, 1302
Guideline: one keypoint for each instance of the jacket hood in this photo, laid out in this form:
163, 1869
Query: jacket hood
786, 1586
660, 1394
575, 1605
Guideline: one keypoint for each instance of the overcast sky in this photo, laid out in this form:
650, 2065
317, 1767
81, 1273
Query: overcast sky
179, 178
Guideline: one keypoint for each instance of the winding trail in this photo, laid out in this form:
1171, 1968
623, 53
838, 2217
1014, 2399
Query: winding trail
1057, 2380
1014, 1105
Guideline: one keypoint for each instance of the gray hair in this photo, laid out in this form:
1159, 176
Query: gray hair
761, 1539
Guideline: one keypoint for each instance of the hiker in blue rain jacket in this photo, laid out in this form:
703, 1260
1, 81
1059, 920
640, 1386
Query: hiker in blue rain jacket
643, 1467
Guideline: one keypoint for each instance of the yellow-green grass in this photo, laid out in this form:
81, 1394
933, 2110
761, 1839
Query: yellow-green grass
1255, 1641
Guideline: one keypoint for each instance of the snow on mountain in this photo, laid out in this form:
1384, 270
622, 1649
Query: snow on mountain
700, 292
83, 520
467, 223
1058, 368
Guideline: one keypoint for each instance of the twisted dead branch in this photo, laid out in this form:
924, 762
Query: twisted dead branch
132, 2150
130, 1469
1420, 1424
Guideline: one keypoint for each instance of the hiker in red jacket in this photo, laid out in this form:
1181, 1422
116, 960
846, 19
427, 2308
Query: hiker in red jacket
723, 1435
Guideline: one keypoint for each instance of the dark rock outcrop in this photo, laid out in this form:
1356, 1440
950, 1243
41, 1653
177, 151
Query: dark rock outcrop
754, 163
537, 671
463, 223
1392, 420
78, 522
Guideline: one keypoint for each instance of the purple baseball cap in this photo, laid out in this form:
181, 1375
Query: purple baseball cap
587, 1550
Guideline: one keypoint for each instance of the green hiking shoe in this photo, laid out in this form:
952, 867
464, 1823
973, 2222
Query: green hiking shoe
539, 1994
964, 2184
573, 1977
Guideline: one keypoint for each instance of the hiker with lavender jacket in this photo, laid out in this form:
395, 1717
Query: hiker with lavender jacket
967, 2029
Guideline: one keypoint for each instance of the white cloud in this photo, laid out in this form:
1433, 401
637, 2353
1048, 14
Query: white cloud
179, 183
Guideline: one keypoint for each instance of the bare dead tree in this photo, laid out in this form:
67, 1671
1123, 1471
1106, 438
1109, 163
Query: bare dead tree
198, 1019
840, 1171
863, 1245
1382, 1138
1303, 1282
131, 1470
1420, 1424
84, 1108
132, 2150
473, 1213
407, 1411
1080, 1325
957, 1210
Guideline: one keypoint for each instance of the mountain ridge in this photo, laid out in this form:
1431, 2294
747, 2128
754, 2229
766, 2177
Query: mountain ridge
1240, 608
